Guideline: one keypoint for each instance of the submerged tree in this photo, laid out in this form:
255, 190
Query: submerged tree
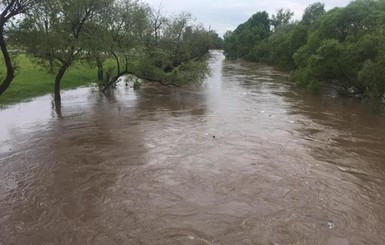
141, 41
167, 50
124, 26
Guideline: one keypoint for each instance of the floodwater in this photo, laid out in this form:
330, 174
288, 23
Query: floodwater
245, 159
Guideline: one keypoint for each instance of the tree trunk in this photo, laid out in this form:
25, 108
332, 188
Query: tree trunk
113, 81
58, 78
117, 61
51, 66
8, 63
99, 64
57, 107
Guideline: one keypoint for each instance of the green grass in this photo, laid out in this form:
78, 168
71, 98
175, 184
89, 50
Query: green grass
32, 80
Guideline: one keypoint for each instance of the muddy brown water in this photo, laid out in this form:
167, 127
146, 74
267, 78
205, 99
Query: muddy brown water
144, 167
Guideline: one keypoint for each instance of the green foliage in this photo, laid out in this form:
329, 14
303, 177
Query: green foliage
372, 77
241, 42
281, 18
342, 48
216, 40
313, 12
138, 39
280, 47
230, 45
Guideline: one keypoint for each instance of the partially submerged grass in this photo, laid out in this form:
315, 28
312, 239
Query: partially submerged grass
32, 80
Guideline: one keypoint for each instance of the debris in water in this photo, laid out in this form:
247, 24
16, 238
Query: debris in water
331, 225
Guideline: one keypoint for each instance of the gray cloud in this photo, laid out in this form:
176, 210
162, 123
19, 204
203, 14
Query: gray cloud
223, 15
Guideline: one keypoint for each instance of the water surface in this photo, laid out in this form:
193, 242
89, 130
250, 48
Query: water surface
245, 159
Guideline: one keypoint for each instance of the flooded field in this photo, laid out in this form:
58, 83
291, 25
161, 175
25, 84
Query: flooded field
245, 159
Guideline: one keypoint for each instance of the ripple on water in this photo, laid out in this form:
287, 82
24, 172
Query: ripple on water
143, 167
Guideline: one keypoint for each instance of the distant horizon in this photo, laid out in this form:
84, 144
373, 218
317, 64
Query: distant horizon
225, 15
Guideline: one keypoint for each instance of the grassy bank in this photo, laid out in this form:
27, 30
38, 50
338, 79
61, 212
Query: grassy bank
32, 80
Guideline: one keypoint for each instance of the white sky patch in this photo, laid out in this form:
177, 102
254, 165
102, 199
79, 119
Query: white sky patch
223, 15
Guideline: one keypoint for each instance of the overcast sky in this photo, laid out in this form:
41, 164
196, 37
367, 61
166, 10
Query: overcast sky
223, 15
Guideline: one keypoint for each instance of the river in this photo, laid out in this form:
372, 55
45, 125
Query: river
243, 159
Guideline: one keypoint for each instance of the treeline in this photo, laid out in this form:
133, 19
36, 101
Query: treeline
343, 48
141, 40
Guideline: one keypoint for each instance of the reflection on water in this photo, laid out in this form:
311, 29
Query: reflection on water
144, 168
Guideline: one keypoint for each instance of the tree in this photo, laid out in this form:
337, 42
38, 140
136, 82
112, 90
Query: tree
125, 25
241, 42
167, 50
230, 45
282, 17
313, 12
217, 41
62, 38
143, 42
344, 46
10, 9
281, 48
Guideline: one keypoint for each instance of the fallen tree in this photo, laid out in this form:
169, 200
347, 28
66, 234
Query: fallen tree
196, 71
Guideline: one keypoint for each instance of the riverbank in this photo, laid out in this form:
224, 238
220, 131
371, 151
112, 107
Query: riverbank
32, 80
